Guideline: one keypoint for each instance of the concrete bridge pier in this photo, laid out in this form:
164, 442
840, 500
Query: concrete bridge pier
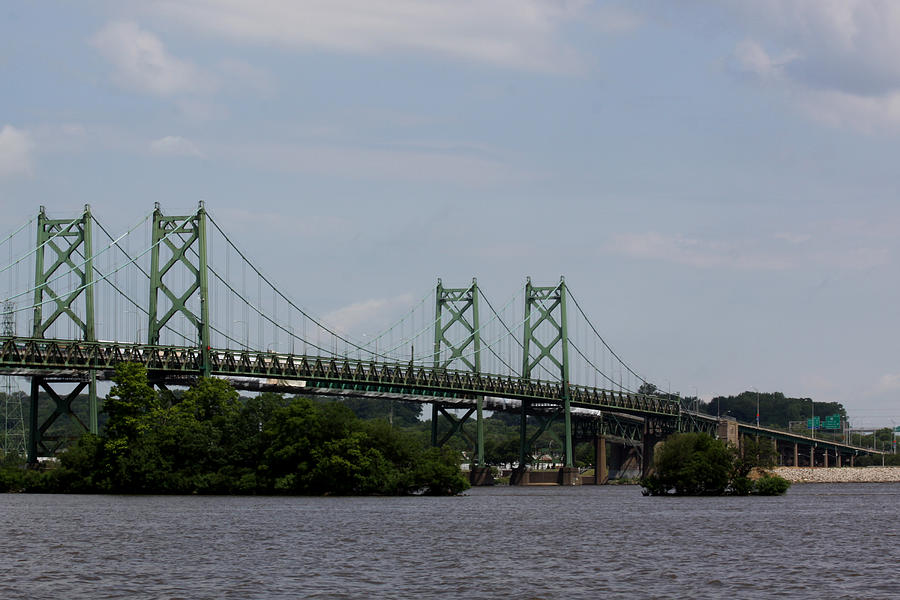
624, 461
569, 476
727, 431
615, 460
601, 471
651, 437
520, 476
796, 455
479, 476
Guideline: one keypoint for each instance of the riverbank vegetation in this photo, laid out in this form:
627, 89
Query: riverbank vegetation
207, 440
696, 464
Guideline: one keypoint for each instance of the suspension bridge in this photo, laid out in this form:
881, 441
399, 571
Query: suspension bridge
178, 295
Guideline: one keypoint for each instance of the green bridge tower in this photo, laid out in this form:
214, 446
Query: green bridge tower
63, 246
545, 345
458, 338
177, 242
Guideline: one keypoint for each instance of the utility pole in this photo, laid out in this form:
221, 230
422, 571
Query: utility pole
757, 404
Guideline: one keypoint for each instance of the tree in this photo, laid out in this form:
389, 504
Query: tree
691, 464
207, 440
775, 409
647, 388
402, 414
696, 464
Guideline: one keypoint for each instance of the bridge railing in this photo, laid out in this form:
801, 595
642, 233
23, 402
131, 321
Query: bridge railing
53, 354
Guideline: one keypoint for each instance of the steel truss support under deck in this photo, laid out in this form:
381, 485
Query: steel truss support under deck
173, 237
457, 337
545, 344
63, 259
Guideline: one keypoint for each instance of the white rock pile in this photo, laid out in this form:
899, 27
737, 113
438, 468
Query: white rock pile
839, 475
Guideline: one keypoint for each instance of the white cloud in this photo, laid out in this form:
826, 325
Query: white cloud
795, 251
307, 226
750, 57
421, 162
143, 63
793, 238
73, 129
868, 114
889, 382
609, 18
241, 74
513, 33
692, 252
374, 313
836, 60
16, 149
173, 145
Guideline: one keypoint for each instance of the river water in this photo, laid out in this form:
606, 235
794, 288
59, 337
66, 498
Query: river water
817, 541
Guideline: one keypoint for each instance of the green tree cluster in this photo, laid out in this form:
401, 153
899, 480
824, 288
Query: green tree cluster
775, 409
209, 441
696, 464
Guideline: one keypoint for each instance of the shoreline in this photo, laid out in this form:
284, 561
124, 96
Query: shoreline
839, 474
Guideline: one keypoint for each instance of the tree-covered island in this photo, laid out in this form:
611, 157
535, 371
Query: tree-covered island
696, 464
210, 441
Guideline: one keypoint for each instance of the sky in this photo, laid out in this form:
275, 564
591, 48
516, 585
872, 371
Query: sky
714, 179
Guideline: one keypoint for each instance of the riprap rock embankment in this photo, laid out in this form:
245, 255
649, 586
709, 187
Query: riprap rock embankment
839, 474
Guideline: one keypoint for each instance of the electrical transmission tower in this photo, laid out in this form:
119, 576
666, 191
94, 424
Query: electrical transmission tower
13, 420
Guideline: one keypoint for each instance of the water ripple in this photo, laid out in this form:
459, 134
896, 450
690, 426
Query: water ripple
823, 541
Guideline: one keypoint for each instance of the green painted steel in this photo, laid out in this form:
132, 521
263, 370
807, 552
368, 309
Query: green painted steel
545, 307
174, 364
180, 247
68, 243
177, 235
461, 305
180, 365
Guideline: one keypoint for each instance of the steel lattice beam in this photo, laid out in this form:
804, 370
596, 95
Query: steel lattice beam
178, 235
461, 306
546, 306
63, 242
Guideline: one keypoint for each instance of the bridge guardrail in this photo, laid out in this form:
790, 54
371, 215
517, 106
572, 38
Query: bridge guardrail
37, 354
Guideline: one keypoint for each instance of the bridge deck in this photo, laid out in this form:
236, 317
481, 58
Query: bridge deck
29, 356
64, 359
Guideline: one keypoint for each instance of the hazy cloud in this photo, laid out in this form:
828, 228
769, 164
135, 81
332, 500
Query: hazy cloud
782, 251
407, 163
307, 226
523, 34
173, 145
142, 62
793, 238
889, 382
692, 252
374, 313
836, 60
752, 58
16, 149
243, 75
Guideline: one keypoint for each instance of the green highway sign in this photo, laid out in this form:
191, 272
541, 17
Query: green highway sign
896, 429
814, 423
832, 422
